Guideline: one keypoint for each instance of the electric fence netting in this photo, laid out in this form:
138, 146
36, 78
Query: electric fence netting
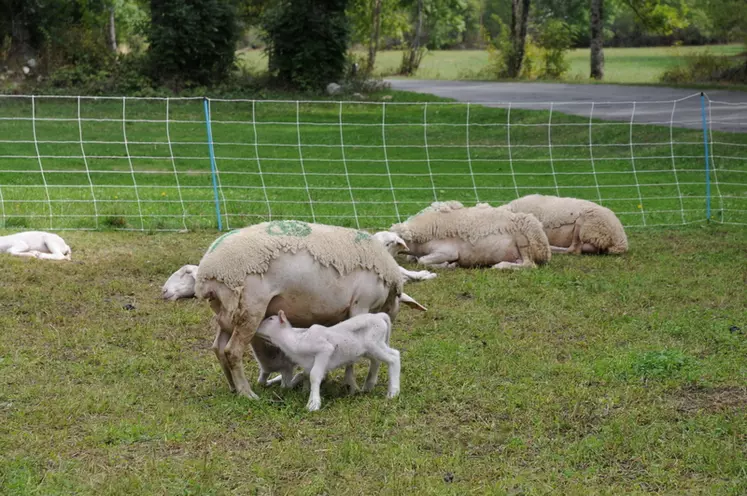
185, 163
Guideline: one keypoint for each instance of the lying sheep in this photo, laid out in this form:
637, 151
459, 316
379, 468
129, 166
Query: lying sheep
447, 234
37, 244
315, 273
320, 349
573, 225
396, 245
181, 284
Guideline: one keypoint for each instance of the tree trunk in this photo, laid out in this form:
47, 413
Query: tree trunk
519, 17
112, 30
597, 39
373, 43
20, 34
410, 65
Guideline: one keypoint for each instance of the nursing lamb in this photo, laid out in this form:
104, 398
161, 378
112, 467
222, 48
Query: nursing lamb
315, 273
320, 349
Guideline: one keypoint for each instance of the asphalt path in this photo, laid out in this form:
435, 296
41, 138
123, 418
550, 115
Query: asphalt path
724, 110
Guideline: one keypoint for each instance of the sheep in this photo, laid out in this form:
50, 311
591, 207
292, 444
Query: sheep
396, 245
447, 235
320, 349
36, 244
573, 225
181, 284
315, 273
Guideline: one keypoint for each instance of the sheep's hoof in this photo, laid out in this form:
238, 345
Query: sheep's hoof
247, 393
314, 405
393, 393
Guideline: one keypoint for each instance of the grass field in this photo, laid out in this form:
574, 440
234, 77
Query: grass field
622, 65
281, 159
590, 375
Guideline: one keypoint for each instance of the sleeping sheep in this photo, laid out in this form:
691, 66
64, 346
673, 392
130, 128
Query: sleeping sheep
315, 273
447, 234
396, 245
36, 244
320, 349
573, 225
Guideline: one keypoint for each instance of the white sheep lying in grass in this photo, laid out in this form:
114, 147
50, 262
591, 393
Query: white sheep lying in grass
320, 349
37, 244
396, 245
447, 234
181, 284
573, 225
316, 274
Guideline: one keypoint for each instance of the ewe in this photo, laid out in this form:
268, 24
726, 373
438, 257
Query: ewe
447, 234
320, 349
315, 273
573, 225
37, 244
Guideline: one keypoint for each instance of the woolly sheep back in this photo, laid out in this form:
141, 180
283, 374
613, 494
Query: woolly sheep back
601, 226
239, 253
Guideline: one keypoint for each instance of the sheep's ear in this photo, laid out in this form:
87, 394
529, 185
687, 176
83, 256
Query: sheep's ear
281, 316
407, 300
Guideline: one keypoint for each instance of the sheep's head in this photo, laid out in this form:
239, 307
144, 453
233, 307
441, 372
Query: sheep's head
392, 242
272, 324
181, 284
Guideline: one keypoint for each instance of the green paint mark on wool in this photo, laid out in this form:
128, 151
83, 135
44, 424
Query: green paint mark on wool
288, 228
361, 236
220, 240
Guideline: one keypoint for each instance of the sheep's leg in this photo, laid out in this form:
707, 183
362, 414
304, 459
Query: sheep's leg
558, 249
576, 244
318, 371
219, 346
244, 327
21, 249
350, 381
525, 259
445, 255
373, 374
390, 356
411, 275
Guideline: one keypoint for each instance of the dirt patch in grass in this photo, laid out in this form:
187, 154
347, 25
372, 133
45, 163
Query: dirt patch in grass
692, 399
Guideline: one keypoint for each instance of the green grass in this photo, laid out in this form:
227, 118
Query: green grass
591, 375
277, 177
622, 65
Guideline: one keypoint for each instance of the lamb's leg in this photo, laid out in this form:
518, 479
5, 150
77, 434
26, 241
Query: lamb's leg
318, 371
390, 356
219, 346
21, 249
411, 275
55, 252
373, 375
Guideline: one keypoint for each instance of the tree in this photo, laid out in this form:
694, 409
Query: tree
307, 41
597, 39
519, 20
192, 41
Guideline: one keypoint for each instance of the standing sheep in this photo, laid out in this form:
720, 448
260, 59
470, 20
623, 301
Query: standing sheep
37, 244
315, 273
320, 349
181, 284
573, 225
447, 234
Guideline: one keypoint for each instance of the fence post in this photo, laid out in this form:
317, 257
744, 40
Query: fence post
213, 168
707, 160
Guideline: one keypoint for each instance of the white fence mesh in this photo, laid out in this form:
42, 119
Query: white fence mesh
145, 164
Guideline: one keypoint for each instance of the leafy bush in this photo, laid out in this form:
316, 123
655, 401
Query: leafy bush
706, 68
555, 39
192, 42
307, 42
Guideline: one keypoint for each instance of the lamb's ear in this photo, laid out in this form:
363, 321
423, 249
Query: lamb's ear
281, 316
403, 246
407, 300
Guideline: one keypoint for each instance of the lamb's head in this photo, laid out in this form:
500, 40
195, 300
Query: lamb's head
272, 325
181, 284
393, 243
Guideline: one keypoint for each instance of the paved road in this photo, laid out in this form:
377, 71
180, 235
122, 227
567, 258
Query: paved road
653, 104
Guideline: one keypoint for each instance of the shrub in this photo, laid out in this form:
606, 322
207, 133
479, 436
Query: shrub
192, 42
555, 40
307, 42
706, 67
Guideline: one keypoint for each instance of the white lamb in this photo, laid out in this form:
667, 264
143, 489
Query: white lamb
447, 234
573, 225
315, 273
320, 349
181, 284
37, 244
396, 245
